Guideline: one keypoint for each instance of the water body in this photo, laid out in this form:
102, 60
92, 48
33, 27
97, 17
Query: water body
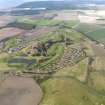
29, 9
22, 60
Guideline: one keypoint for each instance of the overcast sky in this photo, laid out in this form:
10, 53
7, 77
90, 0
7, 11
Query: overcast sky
10, 3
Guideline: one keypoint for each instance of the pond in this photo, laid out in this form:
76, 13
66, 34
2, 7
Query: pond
22, 60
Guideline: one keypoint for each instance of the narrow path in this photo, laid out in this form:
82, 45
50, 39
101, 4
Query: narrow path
89, 69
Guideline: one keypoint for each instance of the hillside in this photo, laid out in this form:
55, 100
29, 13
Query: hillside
49, 5
69, 4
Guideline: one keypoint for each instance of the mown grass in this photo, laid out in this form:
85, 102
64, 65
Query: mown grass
72, 23
39, 22
55, 52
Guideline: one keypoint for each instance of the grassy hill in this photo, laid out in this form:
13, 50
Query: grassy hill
50, 5
64, 88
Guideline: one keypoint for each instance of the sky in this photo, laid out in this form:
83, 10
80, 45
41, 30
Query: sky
11, 3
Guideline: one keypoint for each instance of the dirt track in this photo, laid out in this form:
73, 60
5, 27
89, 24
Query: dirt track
98, 49
20, 91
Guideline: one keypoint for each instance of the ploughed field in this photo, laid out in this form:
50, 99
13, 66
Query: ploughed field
19, 91
10, 32
4, 20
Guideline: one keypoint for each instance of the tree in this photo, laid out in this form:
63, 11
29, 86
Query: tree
62, 38
42, 48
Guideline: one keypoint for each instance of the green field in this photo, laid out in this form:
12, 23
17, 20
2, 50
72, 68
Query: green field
95, 32
72, 23
97, 81
28, 23
54, 52
64, 88
39, 22
83, 27
71, 84
98, 35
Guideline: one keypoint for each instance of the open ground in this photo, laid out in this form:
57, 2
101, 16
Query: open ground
19, 91
57, 53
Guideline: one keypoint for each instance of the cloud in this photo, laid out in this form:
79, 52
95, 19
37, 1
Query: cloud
9, 3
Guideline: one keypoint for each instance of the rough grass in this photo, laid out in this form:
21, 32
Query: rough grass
69, 91
3, 62
54, 53
97, 81
71, 34
99, 63
77, 71
11, 43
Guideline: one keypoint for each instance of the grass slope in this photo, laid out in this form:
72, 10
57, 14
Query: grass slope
83, 27
98, 35
63, 89
97, 81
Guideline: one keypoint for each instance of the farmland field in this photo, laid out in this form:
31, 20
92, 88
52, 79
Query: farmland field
40, 22
98, 35
59, 52
10, 32
83, 27
97, 81
67, 89
93, 31
20, 90
66, 15
4, 20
